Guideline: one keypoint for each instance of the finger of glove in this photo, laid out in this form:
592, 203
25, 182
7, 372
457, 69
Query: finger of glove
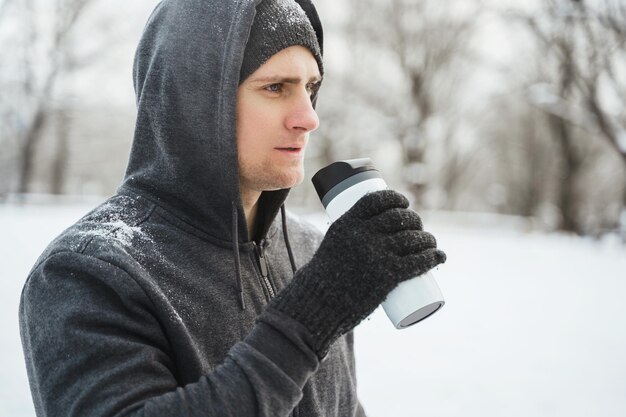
418, 264
395, 220
377, 202
408, 242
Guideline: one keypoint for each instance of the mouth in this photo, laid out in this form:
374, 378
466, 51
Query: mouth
291, 150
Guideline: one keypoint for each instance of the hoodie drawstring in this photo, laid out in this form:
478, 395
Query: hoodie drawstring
283, 216
236, 253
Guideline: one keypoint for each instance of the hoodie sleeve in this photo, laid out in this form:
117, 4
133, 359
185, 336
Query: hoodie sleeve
93, 348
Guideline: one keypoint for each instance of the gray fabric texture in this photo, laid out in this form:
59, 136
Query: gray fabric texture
278, 24
133, 310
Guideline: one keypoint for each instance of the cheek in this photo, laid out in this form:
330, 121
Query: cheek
245, 124
256, 130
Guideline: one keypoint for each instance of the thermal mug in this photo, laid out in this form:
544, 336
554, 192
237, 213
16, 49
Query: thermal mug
339, 186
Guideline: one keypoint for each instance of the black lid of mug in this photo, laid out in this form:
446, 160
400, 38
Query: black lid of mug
327, 178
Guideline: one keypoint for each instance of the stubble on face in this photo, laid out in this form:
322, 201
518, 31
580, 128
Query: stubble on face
262, 175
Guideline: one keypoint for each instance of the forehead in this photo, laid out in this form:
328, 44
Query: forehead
294, 62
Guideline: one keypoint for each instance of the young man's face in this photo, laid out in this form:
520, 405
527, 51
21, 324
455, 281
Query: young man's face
274, 119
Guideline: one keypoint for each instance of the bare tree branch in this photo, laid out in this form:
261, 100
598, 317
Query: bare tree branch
67, 14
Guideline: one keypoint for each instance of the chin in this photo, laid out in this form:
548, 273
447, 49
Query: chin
291, 179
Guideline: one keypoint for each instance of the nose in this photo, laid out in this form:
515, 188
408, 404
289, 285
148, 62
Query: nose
302, 116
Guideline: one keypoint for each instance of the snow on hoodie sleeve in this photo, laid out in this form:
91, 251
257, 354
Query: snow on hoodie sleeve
93, 348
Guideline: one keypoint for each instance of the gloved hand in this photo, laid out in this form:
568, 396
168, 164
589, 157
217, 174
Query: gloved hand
365, 254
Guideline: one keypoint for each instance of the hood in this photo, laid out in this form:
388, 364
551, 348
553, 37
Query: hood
184, 152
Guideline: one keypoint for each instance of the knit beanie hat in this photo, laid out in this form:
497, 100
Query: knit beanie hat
278, 24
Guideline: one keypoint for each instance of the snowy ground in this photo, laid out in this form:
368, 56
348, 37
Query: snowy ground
534, 325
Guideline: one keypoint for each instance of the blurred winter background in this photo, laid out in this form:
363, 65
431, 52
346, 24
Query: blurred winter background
503, 121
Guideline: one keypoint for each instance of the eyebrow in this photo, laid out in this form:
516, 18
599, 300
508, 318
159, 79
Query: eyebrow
286, 80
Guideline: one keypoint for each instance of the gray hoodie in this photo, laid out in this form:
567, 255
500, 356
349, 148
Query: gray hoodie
148, 305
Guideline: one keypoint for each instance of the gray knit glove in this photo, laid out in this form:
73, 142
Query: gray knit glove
365, 254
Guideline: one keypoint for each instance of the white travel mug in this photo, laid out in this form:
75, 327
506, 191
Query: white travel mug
339, 186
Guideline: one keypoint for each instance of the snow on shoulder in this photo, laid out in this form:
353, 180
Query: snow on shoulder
115, 220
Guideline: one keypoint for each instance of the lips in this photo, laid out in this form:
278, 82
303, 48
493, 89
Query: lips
293, 148
290, 150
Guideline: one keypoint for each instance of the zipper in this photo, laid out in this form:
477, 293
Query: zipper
263, 267
265, 274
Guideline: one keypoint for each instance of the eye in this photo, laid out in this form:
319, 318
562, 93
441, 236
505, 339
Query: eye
274, 88
313, 88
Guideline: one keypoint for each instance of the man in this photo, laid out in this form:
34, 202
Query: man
185, 294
